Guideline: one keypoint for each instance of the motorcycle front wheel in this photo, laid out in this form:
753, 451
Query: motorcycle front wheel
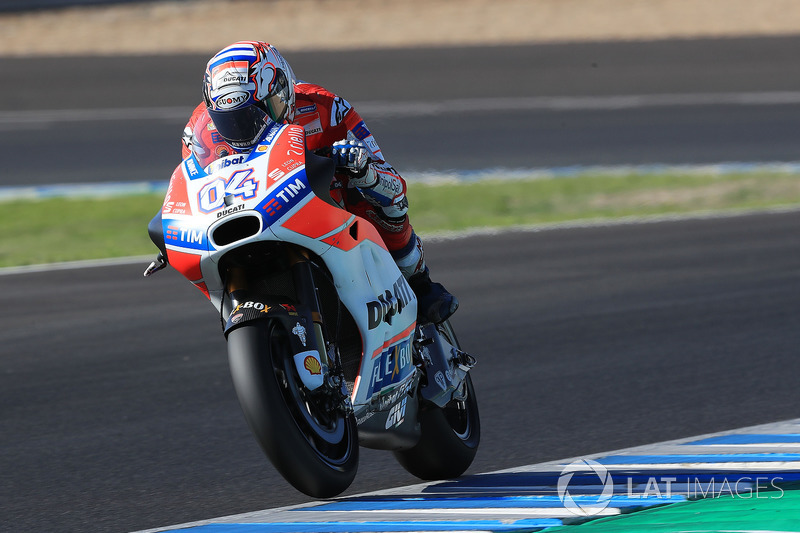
450, 435
314, 447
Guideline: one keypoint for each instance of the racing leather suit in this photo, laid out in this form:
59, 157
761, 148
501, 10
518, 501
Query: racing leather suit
327, 119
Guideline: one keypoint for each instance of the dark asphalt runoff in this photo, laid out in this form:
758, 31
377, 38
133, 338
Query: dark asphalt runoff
118, 413
158, 93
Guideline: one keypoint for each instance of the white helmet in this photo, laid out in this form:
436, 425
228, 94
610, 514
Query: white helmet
247, 86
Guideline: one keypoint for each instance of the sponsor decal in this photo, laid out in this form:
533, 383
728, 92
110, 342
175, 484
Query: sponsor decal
389, 368
191, 165
297, 142
390, 183
300, 331
176, 194
231, 100
184, 237
272, 207
361, 131
230, 210
270, 136
291, 190
276, 175
285, 198
372, 144
389, 304
313, 127
246, 311
176, 208
229, 73
390, 398
312, 364
367, 416
258, 306
306, 109
313, 130
380, 221
290, 164
397, 414
439, 378
220, 164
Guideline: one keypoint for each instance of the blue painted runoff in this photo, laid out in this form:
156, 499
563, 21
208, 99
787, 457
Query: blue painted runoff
747, 439
700, 458
534, 524
520, 502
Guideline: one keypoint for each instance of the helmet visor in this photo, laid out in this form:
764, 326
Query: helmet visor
240, 127
277, 102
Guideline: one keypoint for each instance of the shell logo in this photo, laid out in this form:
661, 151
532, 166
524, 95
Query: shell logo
312, 365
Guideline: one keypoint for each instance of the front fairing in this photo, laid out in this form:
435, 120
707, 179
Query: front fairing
266, 195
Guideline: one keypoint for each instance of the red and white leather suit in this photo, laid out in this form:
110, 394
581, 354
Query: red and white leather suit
327, 119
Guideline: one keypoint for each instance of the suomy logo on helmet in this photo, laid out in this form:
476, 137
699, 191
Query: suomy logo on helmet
231, 100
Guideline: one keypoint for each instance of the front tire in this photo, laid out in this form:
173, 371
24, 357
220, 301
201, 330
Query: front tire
313, 447
450, 435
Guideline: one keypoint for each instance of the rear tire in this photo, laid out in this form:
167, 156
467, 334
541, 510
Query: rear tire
314, 448
450, 435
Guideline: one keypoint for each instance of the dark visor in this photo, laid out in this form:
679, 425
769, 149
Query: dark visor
240, 127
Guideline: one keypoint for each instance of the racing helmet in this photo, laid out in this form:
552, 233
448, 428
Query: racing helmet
247, 86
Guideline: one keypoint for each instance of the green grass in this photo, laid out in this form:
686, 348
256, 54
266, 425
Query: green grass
59, 229
44, 231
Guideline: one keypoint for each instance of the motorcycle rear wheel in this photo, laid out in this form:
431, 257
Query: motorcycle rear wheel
315, 449
450, 435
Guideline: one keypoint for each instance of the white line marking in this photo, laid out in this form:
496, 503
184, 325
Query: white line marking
453, 235
383, 109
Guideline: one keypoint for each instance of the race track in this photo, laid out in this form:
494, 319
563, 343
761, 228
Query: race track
120, 119
117, 409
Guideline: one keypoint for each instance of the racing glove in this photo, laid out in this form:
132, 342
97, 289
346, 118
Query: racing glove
353, 158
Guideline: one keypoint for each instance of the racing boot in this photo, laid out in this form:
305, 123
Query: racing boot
434, 303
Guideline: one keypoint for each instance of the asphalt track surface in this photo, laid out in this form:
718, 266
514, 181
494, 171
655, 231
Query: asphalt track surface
496, 127
118, 412
117, 409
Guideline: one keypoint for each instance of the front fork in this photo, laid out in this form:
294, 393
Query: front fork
326, 381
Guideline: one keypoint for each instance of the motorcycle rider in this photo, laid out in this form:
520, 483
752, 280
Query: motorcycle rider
247, 85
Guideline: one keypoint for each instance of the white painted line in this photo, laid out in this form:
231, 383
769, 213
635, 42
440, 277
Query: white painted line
144, 260
453, 235
384, 109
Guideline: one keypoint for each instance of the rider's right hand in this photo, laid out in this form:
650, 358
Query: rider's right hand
353, 157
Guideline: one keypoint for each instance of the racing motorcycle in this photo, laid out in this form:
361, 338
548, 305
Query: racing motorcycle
324, 346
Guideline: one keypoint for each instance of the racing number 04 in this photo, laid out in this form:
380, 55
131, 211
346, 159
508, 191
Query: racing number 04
240, 184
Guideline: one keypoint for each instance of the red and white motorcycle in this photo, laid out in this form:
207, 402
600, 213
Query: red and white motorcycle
324, 346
